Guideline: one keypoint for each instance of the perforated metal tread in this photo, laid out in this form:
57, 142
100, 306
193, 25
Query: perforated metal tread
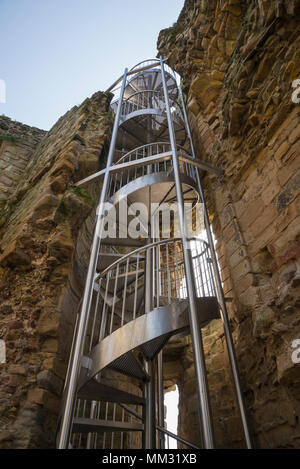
129, 365
152, 348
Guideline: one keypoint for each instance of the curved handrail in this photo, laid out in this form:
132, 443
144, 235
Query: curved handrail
148, 62
144, 248
146, 146
140, 103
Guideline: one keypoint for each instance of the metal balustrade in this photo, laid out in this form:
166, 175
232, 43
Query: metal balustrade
148, 101
124, 177
121, 285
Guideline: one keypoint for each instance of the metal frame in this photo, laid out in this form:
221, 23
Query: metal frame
200, 369
137, 301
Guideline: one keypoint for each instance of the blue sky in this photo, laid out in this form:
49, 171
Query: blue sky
55, 53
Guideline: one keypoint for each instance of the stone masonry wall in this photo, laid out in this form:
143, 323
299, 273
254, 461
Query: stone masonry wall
39, 238
17, 142
238, 61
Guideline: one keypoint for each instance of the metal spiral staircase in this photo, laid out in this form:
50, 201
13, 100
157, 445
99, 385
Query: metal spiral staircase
142, 290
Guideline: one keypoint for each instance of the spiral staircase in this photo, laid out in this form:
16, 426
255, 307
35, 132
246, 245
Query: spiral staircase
143, 286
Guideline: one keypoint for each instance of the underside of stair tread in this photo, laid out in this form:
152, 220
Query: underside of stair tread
95, 391
152, 348
85, 425
149, 332
129, 365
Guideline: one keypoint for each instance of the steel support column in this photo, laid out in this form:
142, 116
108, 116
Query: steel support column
160, 398
149, 387
200, 369
74, 368
221, 299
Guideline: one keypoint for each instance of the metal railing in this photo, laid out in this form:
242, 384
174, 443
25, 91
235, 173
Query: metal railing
109, 412
149, 99
118, 299
126, 175
120, 286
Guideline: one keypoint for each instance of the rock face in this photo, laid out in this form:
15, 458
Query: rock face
45, 222
17, 142
238, 61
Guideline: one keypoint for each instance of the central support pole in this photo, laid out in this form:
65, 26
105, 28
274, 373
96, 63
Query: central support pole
149, 388
74, 368
200, 369
160, 398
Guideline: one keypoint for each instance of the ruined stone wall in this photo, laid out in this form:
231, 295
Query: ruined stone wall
17, 143
238, 61
43, 226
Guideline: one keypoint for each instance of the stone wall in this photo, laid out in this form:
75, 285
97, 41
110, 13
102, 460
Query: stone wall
17, 142
238, 61
43, 223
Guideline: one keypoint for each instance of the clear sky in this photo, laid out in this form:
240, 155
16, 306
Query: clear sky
55, 53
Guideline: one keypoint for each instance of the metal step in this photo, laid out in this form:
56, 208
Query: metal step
152, 348
129, 365
84, 425
160, 323
94, 391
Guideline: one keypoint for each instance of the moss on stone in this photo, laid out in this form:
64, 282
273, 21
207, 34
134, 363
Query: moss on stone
83, 194
9, 138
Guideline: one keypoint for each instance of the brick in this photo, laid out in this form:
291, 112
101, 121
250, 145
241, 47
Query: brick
239, 255
288, 170
231, 229
284, 147
268, 216
243, 283
289, 234
253, 210
287, 215
291, 190
271, 191
295, 135
234, 243
241, 269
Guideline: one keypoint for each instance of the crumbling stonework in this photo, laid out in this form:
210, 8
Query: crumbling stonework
238, 61
43, 223
17, 143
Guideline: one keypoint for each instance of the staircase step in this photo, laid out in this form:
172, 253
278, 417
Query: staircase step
84, 425
95, 391
157, 327
129, 365
152, 348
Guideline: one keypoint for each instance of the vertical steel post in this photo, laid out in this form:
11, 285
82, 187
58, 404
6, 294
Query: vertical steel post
149, 416
74, 369
200, 369
149, 389
221, 299
160, 398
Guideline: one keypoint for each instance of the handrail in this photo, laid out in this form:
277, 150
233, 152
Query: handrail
146, 146
143, 91
143, 248
176, 437
131, 72
143, 62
